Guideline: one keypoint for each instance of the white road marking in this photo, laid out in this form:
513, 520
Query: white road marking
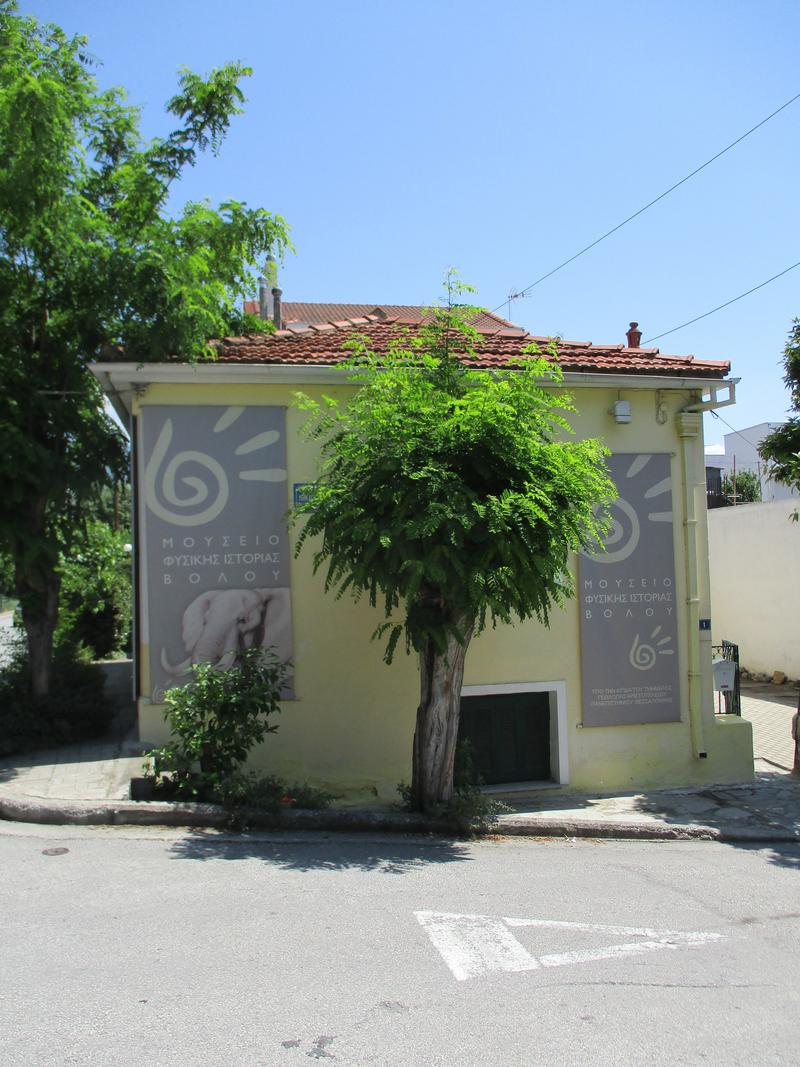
472, 945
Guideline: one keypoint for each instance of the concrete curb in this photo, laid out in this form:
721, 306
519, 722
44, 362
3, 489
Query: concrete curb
641, 831
212, 816
189, 815
109, 813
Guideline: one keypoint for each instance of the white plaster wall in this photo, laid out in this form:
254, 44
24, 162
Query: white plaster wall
741, 454
754, 552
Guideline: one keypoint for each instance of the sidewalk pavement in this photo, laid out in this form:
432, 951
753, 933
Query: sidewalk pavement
89, 784
770, 708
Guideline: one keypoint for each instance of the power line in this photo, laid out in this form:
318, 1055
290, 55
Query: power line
672, 188
721, 306
733, 430
760, 464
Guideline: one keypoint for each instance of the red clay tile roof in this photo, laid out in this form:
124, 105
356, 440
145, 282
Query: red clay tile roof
323, 344
293, 311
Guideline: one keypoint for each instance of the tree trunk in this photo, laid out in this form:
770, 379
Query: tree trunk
441, 676
38, 588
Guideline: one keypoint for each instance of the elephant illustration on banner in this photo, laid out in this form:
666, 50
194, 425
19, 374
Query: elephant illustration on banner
219, 624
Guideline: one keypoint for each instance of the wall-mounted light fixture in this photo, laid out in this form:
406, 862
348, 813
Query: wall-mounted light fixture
621, 411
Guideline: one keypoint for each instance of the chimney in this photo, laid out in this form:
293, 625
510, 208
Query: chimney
634, 335
276, 308
264, 299
267, 284
271, 270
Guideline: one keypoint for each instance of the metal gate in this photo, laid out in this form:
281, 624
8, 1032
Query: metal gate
730, 702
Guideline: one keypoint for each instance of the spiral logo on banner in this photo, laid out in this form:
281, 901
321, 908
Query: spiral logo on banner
623, 537
643, 656
200, 499
184, 510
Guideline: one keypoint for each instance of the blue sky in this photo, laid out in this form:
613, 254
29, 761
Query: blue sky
399, 139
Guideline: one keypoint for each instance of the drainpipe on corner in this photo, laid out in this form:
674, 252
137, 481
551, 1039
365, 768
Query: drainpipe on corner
689, 424
264, 299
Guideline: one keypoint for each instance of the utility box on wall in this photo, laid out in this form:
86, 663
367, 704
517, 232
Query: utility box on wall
724, 675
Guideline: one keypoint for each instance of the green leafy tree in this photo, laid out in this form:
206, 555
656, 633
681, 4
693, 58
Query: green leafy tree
91, 263
95, 603
782, 447
6, 576
745, 488
450, 495
115, 507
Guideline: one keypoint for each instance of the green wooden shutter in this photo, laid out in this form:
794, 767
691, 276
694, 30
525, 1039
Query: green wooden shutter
509, 734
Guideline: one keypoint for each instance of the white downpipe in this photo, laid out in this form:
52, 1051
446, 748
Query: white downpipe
689, 425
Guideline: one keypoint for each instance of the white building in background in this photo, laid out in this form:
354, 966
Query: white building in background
741, 454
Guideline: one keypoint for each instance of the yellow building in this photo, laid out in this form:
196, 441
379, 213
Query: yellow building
616, 695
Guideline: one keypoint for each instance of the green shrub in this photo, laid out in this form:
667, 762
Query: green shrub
745, 489
270, 793
469, 810
6, 581
95, 603
216, 719
76, 709
465, 773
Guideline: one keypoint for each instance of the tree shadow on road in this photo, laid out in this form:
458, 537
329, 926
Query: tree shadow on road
8, 774
746, 815
784, 856
779, 854
383, 854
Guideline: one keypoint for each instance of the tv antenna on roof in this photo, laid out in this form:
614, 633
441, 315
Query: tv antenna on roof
515, 295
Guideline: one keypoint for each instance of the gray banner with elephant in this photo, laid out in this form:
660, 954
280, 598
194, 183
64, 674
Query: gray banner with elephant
214, 544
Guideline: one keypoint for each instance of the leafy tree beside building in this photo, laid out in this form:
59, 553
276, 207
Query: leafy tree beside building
90, 261
452, 497
782, 447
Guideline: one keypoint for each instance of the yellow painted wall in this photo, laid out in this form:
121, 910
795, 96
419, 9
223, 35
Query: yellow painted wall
351, 724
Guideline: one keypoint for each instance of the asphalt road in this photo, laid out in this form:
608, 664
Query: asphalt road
131, 947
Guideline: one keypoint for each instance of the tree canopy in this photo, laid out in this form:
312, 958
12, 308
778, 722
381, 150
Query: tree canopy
452, 497
743, 487
91, 262
782, 446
